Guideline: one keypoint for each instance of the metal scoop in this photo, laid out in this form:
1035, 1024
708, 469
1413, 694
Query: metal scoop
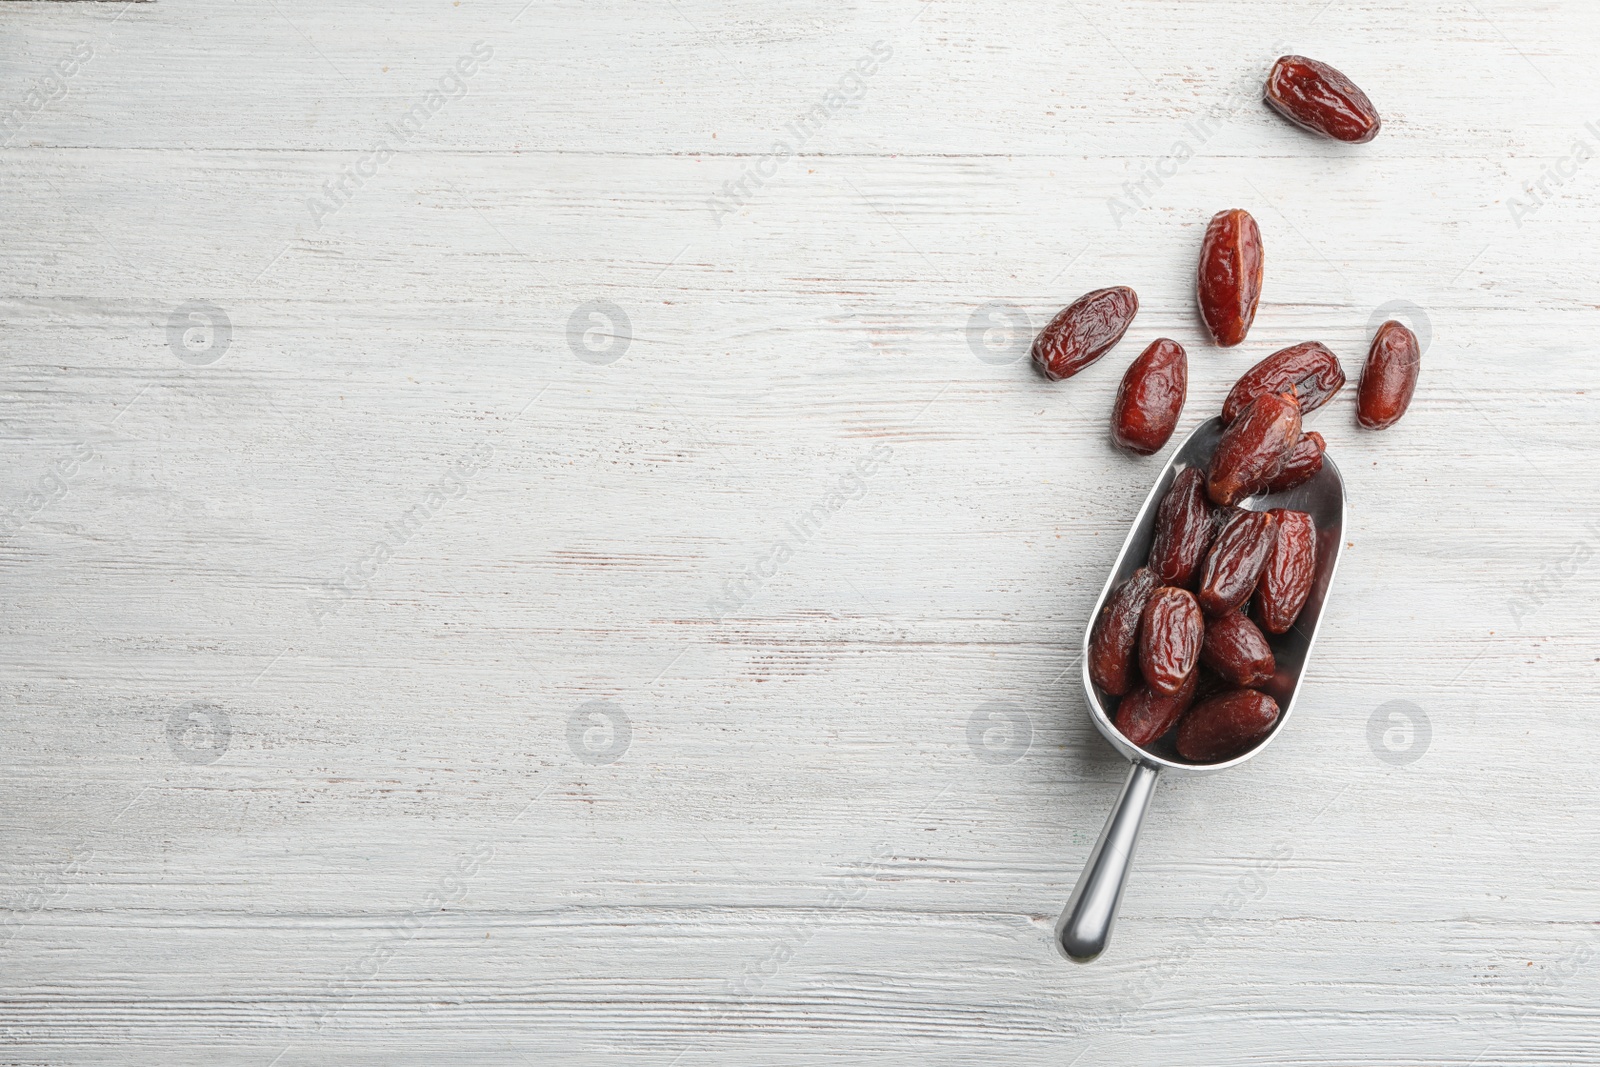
1085, 926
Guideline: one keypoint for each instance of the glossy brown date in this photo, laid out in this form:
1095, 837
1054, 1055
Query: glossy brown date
1237, 650
1185, 528
1229, 282
1302, 463
1308, 370
1169, 639
1150, 398
1112, 661
1389, 377
1083, 331
1253, 448
1285, 581
1144, 715
1316, 97
1226, 725
1211, 683
1236, 560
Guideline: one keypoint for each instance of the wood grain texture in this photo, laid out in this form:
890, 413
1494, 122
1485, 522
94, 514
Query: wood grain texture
390, 675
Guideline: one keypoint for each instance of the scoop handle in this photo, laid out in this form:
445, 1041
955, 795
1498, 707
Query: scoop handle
1084, 929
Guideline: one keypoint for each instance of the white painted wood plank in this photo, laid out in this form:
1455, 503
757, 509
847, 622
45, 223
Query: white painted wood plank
405, 852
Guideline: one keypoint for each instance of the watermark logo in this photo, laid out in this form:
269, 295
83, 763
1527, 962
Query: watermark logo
47, 489
999, 334
798, 531
1250, 887
452, 85
599, 332
844, 93
599, 732
754, 976
358, 576
1399, 733
199, 333
1197, 132
1554, 576
199, 732
999, 732
1557, 173
1555, 976
46, 91
449, 890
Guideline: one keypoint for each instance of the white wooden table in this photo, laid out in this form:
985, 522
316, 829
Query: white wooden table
526, 539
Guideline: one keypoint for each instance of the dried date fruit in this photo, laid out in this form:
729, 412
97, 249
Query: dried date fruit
1315, 97
1185, 528
1150, 398
1230, 275
1253, 448
1144, 715
1236, 649
1169, 639
1083, 331
1226, 725
1236, 560
1302, 463
1112, 663
1309, 370
1211, 683
1389, 378
1285, 581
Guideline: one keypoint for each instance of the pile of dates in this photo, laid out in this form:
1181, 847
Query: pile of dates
1184, 643
1218, 581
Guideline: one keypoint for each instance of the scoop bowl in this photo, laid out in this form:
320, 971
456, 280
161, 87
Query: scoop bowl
1085, 926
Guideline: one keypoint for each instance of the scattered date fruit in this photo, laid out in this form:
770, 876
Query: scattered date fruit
1229, 282
1150, 398
1185, 528
1315, 97
1169, 639
1225, 725
1389, 377
1083, 331
1112, 661
1236, 560
1286, 579
1309, 370
1253, 448
1237, 650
